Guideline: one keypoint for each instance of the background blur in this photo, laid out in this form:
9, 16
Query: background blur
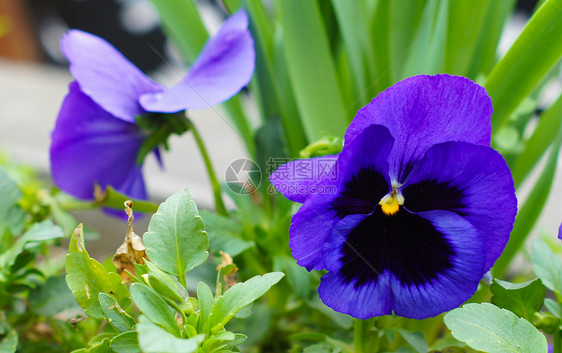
34, 80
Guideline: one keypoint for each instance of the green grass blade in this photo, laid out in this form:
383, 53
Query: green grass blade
383, 68
484, 56
183, 24
529, 212
532, 55
466, 19
404, 19
311, 69
428, 47
547, 130
353, 24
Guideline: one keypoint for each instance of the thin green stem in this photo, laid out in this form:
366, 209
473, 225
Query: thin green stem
219, 204
360, 334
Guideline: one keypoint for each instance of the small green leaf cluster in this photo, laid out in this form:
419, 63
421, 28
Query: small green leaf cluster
164, 318
511, 323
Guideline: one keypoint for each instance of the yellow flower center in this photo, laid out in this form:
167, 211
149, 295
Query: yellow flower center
390, 203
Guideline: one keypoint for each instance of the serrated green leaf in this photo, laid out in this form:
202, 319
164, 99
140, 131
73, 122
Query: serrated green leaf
176, 241
534, 53
86, 278
154, 307
240, 295
547, 266
523, 299
127, 342
116, 316
311, 69
166, 285
487, 328
153, 339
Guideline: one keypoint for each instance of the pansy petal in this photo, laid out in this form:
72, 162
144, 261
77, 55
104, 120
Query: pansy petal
295, 179
424, 110
456, 285
415, 265
223, 68
332, 200
472, 181
90, 146
105, 75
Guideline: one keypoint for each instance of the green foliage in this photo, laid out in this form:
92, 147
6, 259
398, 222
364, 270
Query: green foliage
523, 299
87, 278
547, 266
177, 222
487, 328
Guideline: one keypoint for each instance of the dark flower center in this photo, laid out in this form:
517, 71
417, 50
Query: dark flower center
401, 242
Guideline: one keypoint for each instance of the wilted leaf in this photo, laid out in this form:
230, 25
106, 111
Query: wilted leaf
132, 251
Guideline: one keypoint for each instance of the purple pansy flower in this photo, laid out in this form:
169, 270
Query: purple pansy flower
97, 140
417, 206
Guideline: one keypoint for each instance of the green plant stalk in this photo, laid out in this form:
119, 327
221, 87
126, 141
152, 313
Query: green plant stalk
361, 339
219, 204
532, 55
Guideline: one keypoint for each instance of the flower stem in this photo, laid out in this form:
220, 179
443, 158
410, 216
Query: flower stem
219, 204
361, 337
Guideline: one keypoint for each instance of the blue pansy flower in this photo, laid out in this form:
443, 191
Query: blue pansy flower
415, 209
97, 138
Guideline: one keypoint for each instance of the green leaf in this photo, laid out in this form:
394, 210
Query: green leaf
240, 295
87, 278
298, 276
103, 347
127, 342
114, 199
38, 232
206, 302
553, 307
311, 69
166, 285
153, 339
487, 328
536, 50
154, 307
548, 129
428, 47
184, 25
466, 20
547, 266
116, 316
224, 234
484, 56
9, 342
523, 299
176, 241
11, 215
415, 339
52, 298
